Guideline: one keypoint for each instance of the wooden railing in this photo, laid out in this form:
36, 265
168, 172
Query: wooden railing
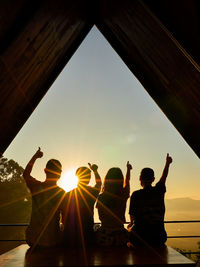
166, 222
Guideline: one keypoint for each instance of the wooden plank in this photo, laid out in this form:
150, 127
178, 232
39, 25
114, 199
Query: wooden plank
35, 58
181, 18
163, 67
13, 16
96, 256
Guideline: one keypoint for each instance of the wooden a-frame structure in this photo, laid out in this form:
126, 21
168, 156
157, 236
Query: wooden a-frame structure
157, 40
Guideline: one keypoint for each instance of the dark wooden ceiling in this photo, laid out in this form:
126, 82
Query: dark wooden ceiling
157, 40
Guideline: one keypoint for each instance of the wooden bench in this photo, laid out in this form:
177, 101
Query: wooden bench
22, 256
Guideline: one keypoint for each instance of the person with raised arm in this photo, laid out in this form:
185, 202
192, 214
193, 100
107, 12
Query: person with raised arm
147, 208
78, 219
111, 205
47, 199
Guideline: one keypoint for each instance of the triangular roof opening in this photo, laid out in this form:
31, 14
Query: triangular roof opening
97, 111
38, 42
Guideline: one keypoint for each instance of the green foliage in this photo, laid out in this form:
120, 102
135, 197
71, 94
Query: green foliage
15, 197
10, 170
15, 202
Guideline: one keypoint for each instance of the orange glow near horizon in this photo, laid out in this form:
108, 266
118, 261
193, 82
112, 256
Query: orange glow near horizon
68, 180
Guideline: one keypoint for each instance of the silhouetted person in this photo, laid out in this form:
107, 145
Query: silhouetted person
147, 208
111, 207
79, 209
47, 197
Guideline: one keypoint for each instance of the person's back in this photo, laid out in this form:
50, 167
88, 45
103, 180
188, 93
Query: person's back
47, 199
79, 209
44, 227
111, 207
147, 208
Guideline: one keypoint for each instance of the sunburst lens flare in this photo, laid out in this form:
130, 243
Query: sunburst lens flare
68, 180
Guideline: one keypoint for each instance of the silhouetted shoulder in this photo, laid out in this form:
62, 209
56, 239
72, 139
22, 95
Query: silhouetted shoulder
33, 184
136, 193
160, 187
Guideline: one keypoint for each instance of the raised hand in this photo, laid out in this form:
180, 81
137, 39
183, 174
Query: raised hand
168, 159
129, 166
29, 166
39, 153
93, 167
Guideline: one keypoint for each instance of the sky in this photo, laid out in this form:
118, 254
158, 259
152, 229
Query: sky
97, 111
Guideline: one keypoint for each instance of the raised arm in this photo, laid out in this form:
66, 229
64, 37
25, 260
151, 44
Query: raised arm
94, 168
29, 166
128, 175
166, 169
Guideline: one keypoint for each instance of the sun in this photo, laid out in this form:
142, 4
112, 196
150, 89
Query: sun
68, 180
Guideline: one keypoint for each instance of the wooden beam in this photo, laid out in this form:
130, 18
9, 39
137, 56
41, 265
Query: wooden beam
163, 67
13, 17
33, 60
180, 17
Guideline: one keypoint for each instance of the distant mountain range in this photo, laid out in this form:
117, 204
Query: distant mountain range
182, 209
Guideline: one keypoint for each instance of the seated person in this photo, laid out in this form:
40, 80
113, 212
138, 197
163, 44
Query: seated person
78, 217
111, 205
47, 198
147, 209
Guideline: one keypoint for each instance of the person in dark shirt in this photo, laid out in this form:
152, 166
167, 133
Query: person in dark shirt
78, 217
47, 200
111, 207
147, 208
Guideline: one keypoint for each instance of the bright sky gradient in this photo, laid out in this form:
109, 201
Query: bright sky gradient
96, 111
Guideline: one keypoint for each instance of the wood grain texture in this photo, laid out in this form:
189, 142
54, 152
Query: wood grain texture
35, 58
163, 67
181, 18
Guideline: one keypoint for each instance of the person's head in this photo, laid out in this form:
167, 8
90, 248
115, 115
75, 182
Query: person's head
146, 177
114, 181
84, 175
53, 169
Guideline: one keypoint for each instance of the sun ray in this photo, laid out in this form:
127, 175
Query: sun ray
51, 197
67, 207
106, 208
81, 229
84, 200
21, 198
83, 188
111, 213
47, 222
